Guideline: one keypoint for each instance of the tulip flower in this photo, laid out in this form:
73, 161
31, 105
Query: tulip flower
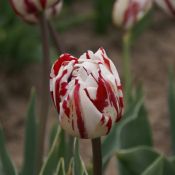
29, 10
87, 93
126, 13
167, 5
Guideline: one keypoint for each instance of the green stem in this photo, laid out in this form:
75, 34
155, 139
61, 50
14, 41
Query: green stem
97, 156
44, 91
126, 66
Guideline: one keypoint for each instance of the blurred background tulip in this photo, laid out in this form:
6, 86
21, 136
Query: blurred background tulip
167, 5
30, 10
126, 13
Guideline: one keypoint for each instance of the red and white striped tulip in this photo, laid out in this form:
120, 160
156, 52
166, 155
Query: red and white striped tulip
87, 93
29, 10
167, 5
126, 13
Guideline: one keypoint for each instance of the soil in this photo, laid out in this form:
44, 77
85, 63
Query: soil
152, 55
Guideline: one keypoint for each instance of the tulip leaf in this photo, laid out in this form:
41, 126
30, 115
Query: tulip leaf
1, 169
169, 168
171, 102
127, 131
53, 133
7, 165
172, 160
143, 160
155, 168
61, 147
136, 160
52, 160
60, 168
66, 144
79, 167
110, 145
30, 139
135, 130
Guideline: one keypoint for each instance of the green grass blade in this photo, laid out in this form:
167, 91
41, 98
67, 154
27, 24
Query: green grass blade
30, 138
155, 168
136, 160
60, 168
52, 160
79, 167
71, 168
136, 131
172, 160
7, 165
171, 105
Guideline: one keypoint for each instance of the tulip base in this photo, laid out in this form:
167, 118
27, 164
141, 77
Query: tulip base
97, 156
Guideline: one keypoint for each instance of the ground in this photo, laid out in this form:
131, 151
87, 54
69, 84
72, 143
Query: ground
152, 55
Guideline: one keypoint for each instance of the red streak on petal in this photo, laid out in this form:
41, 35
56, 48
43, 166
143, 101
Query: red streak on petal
109, 124
85, 70
112, 97
121, 104
63, 89
80, 122
107, 62
57, 91
170, 6
120, 87
121, 97
111, 94
62, 60
30, 6
132, 11
52, 96
43, 3
87, 55
93, 77
101, 97
66, 109
101, 48
102, 120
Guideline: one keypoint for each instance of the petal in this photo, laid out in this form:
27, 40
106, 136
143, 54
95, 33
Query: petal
88, 55
91, 115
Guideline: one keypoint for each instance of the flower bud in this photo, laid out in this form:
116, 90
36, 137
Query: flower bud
87, 93
167, 5
29, 10
126, 13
